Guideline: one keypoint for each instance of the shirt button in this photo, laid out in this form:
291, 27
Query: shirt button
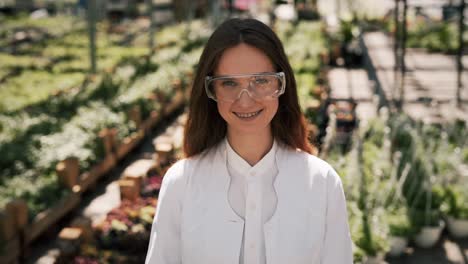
252, 173
252, 246
252, 207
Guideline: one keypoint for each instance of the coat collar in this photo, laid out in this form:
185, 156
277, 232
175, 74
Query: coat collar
220, 167
242, 167
228, 223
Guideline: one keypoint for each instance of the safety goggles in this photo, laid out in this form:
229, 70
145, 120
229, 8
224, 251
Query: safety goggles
259, 86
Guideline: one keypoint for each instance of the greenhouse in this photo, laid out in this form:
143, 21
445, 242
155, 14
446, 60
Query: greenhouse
98, 104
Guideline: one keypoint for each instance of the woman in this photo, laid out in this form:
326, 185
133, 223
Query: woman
248, 191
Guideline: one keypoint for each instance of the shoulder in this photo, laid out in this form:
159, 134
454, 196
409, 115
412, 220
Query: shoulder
310, 166
181, 171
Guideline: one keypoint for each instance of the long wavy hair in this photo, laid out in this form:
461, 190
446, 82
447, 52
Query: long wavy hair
205, 127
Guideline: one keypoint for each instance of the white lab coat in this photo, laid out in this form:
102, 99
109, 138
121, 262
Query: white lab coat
194, 222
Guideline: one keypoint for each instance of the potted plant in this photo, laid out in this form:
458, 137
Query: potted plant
426, 218
399, 227
372, 239
456, 210
430, 226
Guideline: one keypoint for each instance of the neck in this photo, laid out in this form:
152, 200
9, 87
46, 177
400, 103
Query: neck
251, 147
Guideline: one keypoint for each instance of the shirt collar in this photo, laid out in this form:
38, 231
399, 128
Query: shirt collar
241, 166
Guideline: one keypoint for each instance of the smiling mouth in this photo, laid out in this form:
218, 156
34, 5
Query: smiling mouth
248, 115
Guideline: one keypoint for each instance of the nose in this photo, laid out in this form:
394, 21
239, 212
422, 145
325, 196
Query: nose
245, 98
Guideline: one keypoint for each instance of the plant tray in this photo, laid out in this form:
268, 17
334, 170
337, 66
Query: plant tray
49, 217
129, 143
97, 171
10, 252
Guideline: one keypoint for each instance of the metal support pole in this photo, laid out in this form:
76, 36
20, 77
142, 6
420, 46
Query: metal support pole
151, 43
190, 15
214, 13
403, 53
396, 50
190, 10
231, 7
461, 31
92, 33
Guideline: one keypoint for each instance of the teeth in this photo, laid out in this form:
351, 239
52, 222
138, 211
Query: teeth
247, 114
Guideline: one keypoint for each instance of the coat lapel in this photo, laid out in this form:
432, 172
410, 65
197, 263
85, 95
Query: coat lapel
227, 229
295, 231
272, 226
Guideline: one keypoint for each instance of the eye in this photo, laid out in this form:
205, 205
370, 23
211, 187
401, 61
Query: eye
229, 83
261, 80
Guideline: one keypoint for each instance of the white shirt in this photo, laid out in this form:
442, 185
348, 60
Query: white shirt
194, 222
252, 196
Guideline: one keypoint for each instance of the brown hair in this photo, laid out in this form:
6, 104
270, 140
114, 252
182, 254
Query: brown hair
205, 127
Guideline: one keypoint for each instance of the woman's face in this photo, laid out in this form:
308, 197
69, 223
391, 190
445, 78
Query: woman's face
246, 59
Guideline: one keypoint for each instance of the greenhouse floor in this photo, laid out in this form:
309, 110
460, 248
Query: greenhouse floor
447, 251
430, 81
353, 84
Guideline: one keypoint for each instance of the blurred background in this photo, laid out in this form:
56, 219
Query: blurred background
93, 97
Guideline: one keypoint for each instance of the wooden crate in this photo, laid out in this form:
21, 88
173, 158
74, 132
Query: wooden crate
89, 178
69, 240
138, 170
164, 148
50, 217
68, 172
11, 251
129, 190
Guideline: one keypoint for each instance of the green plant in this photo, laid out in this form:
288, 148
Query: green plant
426, 208
83, 129
399, 223
40, 191
440, 37
348, 31
421, 218
456, 202
402, 133
34, 86
372, 239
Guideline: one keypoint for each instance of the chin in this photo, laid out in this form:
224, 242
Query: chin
251, 129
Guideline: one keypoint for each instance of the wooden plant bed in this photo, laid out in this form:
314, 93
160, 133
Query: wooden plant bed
10, 251
13, 218
129, 143
148, 124
7, 227
49, 217
176, 102
89, 178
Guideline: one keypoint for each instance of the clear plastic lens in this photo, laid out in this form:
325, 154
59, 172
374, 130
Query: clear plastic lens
258, 86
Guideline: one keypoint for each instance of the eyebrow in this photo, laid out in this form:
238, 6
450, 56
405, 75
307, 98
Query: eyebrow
243, 74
